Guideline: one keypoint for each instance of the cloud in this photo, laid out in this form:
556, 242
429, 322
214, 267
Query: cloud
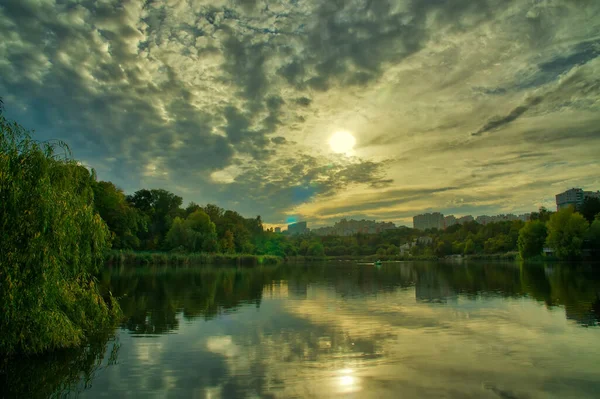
233, 101
497, 122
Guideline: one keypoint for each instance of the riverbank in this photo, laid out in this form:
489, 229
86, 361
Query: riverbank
133, 258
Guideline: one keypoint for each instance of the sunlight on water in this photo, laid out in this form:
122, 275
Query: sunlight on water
406, 330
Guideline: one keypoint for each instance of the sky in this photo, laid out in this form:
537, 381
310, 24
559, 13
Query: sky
463, 107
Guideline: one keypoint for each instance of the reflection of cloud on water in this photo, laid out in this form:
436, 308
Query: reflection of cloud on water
385, 345
222, 345
457, 347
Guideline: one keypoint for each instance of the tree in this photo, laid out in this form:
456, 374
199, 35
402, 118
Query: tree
123, 220
51, 243
531, 239
469, 247
443, 248
315, 249
392, 250
227, 243
543, 215
593, 235
566, 230
214, 212
160, 207
590, 208
202, 232
191, 208
178, 236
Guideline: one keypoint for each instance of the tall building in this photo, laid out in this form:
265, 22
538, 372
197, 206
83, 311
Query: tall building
465, 219
570, 197
574, 197
429, 221
449, 220
297, 228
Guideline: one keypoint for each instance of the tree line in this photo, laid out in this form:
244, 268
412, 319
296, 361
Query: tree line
155, 220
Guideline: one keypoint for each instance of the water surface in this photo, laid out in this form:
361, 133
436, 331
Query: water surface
342, 330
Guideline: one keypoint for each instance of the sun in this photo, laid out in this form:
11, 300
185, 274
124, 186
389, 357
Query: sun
342, 142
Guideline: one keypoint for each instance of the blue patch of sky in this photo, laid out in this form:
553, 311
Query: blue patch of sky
302, 194
550, 70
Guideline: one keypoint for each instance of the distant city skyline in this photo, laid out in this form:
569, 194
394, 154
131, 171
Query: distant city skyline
483, 217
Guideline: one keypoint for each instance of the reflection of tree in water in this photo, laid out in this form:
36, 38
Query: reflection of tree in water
151, 298
350, 279
431, 287
575, 288
64, 372
577, 291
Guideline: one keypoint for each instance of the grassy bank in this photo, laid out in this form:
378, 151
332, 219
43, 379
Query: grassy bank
132, 258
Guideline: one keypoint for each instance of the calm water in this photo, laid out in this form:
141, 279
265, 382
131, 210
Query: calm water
340, 329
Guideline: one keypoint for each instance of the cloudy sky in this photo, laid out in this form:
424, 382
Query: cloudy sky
461, 106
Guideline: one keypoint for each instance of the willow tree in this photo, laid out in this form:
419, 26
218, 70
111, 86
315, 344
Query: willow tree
51, 243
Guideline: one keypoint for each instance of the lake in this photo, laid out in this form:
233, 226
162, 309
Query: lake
402, 330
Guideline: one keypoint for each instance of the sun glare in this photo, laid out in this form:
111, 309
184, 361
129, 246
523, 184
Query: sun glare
342, 142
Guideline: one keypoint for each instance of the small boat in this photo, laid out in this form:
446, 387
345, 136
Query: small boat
378, 263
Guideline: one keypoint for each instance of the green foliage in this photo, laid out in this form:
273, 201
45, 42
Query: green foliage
543, 215
443, 248
178, 235
469, 247
159, 208
566, 230
590, 208
227, 243
316, 249
531, 239
131, 258
202, 232
195, 234
51, 242
123, 220
593, 235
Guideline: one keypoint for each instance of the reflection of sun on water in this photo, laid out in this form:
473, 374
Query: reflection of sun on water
347, 383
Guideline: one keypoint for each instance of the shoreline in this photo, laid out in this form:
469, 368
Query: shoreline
152, 258
147, 258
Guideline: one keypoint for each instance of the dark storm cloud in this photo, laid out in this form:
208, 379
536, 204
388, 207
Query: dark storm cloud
350, 43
